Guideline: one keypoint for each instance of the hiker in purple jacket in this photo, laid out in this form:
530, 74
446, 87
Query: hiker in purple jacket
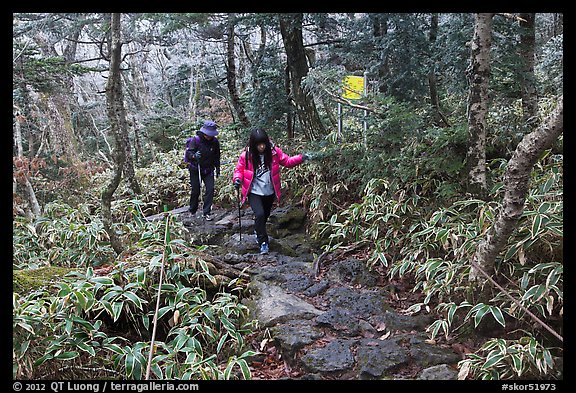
202, 157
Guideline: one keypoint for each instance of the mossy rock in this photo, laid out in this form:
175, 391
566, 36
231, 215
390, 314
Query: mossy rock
291, 217
26, 281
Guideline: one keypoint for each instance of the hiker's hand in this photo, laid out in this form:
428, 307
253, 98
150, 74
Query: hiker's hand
217, 172
197, 155
237, 183
307, 156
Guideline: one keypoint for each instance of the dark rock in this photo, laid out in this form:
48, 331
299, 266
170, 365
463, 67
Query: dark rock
292, 244
234, 259
247, 245
311, 377
294, 335
340, 319
352, 272
440, 372
335, 356
350, 309
289, 217
293, 276
317, 289
398, 322
361, 303
427, 355
375, 357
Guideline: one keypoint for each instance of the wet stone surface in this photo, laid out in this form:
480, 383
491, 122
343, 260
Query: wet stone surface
339, 325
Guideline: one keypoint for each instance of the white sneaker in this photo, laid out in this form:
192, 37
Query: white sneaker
208, 217
264, 248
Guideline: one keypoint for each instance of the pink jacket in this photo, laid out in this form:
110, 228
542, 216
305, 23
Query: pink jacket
245, 171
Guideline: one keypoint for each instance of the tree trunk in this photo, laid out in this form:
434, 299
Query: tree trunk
120, 122
516, 186
194, 92
56, 104
231, 74
138, 149
439, 118
60, 130
290, 112
527, 77
478, 76
129, 163
291, 30
255, 59
379, 24
115, 109
35, 209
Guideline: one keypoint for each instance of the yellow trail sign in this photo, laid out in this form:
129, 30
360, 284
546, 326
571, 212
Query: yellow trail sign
353, 87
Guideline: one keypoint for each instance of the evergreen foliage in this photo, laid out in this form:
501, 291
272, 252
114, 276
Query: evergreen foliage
396, 189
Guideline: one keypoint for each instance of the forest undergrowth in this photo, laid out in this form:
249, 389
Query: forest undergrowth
400, 197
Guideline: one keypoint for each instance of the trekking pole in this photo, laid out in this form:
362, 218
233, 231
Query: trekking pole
239, 214
200, 185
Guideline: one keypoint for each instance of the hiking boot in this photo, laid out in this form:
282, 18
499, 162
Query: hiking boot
208, 217
264, 248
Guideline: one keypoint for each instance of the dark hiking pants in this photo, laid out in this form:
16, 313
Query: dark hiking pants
208, 180
261, 206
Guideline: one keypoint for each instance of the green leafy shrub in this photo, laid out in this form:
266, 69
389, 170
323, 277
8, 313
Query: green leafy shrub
508, 359
65, 236
90, 323
408, 232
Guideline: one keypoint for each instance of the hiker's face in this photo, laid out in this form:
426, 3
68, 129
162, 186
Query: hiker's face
209, 137
261, 147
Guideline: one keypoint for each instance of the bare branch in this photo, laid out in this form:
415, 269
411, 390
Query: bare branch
349, 103
511, 16
134, 53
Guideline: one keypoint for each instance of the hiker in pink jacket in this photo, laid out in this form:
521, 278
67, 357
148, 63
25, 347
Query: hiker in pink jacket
261, 186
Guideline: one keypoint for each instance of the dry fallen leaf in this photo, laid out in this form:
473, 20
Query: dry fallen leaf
385, 336
263, 344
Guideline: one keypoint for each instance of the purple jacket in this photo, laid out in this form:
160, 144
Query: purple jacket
209, 150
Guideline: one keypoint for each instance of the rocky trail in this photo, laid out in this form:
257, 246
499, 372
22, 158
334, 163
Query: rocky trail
329, 320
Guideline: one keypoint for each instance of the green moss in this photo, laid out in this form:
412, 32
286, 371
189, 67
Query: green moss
25, 281
292, 219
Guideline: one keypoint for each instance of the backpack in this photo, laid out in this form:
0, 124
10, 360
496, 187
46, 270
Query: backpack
191, 148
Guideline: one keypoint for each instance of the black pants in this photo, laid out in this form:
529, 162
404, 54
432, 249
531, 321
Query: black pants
261, 206
208, 180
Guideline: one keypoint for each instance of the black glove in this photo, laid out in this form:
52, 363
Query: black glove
197, 155
237, 183
217, 171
